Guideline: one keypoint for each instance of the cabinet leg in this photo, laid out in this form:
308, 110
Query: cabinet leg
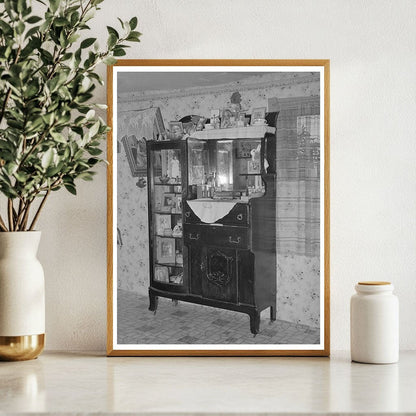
272, 313
153, 301
254, 322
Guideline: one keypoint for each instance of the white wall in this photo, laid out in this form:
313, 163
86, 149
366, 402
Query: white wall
371, 45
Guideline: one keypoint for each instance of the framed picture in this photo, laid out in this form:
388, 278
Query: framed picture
258, 114
162, 274
176, 130
249, 274
169, 202
228, 118
162, 223
165, 250
136, 154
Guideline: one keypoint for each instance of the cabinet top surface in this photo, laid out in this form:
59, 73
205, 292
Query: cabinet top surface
250, 132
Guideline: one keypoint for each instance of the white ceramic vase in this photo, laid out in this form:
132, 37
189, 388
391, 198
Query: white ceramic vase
374, 323
22, 296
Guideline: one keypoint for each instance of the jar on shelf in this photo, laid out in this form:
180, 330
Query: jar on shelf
374, 323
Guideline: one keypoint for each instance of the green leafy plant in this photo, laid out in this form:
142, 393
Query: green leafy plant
50, 134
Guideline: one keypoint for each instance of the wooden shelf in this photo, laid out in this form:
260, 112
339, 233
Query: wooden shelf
169, 283
177, 266
169, 236
167, 213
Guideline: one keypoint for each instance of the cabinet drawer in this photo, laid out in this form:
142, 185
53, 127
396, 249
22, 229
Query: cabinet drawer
237, 216
227, 236
212, 235
194, 234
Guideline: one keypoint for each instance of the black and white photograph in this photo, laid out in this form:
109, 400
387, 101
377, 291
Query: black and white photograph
224, 237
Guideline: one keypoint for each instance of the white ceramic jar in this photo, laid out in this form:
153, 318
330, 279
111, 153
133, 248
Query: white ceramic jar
374, 323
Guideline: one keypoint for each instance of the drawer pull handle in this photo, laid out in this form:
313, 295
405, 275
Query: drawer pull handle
187, 214
240, 217
193, 237
237, 241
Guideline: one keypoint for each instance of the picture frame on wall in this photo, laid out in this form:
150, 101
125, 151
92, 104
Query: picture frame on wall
225, 237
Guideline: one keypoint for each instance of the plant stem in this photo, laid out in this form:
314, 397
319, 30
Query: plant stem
10, 213
26, 216
20, 213
17, 217
39, 209
2, 224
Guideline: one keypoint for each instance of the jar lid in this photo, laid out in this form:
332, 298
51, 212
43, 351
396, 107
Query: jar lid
374, 283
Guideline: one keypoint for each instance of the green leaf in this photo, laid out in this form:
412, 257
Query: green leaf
10, 168
73, 38
20, 27
119, 52
90, 115
7, 29
34, 125
47, 158
33, 19
87, 42
94, 129
61, 21
112, 41
54, 4
74, 18
31, 31
111, 30
133, 23
60, 138
133, 38
94, 151
110, 60
86, 176
121, 22
70, 188
21, 5
21, 177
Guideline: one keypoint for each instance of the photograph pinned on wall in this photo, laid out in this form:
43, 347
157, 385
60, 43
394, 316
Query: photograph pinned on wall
219, 228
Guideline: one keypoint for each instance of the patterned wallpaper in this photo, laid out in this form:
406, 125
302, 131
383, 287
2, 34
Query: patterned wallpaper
298, 276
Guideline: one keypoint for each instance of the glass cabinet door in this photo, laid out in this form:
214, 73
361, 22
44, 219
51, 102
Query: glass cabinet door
166, 216
198, 172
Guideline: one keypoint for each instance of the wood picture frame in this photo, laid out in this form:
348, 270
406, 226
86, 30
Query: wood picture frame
313, 116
